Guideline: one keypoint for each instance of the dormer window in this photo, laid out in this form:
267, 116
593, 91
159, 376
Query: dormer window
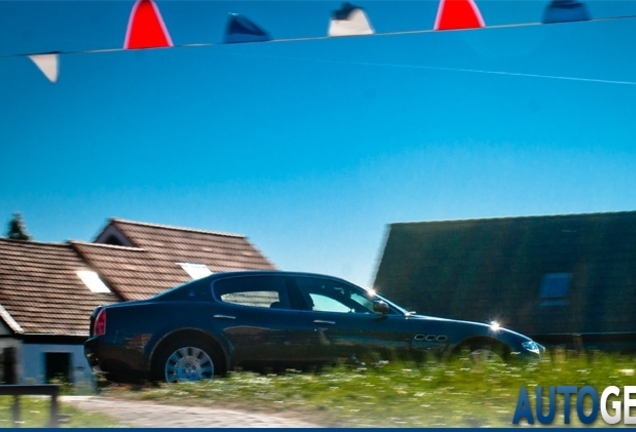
113, 236
113, 240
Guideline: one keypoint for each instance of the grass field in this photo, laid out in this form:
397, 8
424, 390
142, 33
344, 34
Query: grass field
458, 393
35, 413
439, 394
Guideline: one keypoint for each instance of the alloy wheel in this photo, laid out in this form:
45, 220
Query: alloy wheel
189, 364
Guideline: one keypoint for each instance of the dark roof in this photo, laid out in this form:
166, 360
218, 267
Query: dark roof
487, 269
151, 264
41, 292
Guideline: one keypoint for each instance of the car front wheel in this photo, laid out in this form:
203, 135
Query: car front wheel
481, 355
480, 351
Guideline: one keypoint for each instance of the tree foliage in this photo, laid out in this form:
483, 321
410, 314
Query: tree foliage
17, 231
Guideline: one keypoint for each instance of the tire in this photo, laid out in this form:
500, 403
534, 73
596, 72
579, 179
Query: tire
483, 351
485, 355
186, 360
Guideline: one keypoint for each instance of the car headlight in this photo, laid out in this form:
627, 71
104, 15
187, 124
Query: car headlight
531, 346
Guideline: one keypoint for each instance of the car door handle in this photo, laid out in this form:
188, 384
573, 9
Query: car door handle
324, 322
224, 317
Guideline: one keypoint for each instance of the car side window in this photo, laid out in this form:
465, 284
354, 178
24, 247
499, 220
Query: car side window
327, 304
253, 291
327, 295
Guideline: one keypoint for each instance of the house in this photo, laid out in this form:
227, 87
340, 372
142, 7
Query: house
44, 310
49, 290
568, 280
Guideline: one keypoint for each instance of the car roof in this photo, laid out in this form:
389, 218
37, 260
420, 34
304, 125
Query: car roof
223, 275
215, 276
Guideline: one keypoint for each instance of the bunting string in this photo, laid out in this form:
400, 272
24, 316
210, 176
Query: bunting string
147, 30
312, 38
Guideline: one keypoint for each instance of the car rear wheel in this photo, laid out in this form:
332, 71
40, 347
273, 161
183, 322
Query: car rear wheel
186, 360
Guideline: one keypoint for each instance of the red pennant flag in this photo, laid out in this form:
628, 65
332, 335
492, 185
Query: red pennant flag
458, 14
146, 28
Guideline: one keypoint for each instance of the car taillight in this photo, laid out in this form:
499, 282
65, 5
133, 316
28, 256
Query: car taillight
99, 328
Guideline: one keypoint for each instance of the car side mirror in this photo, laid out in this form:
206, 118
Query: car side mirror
380, 307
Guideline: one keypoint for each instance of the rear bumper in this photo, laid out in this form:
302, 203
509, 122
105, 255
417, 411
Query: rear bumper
114, 360
90, 352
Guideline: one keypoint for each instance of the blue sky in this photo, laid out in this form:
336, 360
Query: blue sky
311, 148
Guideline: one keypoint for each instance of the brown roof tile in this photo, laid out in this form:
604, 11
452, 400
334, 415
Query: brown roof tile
219, 250
153, 265
134, 273
40, 289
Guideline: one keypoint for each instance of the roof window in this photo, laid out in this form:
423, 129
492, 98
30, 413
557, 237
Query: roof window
554, 288
196, 271
92, 281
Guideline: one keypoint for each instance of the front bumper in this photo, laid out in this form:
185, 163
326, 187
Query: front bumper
529, 350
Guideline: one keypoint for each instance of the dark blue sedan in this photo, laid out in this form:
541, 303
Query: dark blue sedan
273, 319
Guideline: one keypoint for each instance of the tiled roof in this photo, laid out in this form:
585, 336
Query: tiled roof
493, 269
151, 227
152, 265
40, 291
132, 272
219, 251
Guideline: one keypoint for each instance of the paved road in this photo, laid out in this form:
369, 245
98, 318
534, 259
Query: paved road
148, 414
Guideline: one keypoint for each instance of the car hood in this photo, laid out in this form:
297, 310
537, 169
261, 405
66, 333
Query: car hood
458, 330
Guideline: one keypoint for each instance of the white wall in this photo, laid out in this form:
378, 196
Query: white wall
9, 343
32, 369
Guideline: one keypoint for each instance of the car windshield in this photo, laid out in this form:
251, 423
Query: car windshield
334, 295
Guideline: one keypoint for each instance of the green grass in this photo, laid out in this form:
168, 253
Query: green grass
35, 412
455, 393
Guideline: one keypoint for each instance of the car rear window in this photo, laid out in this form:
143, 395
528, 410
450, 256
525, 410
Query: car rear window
253, 291
198, 290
